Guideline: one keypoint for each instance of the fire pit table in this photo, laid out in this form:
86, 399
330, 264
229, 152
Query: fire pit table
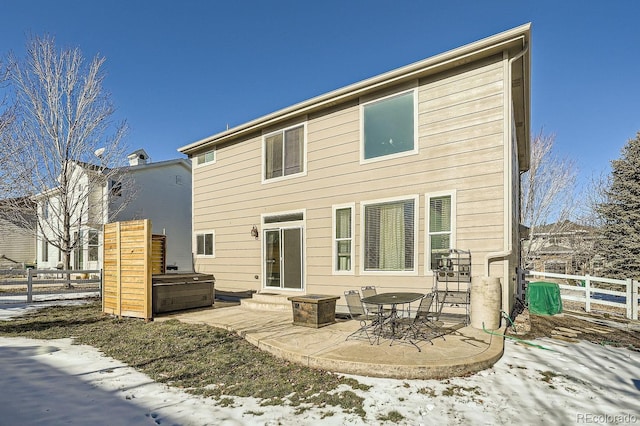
313, 310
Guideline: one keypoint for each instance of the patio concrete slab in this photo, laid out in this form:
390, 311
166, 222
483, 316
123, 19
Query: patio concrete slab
462, 351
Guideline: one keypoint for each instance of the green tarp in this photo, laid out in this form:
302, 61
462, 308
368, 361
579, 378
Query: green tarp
544, 298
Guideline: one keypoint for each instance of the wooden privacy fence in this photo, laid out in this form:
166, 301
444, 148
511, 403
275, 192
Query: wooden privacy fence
158, 254
127, 269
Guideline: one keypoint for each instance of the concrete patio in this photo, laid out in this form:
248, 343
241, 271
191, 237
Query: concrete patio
463, 350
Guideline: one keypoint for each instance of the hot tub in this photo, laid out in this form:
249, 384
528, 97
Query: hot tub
177, 292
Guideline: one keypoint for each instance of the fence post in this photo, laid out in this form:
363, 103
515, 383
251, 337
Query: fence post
629, 298
29, 286
634, 299
587, 293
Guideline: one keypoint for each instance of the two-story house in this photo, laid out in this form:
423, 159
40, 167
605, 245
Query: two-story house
563, 248
370, 183
159, 191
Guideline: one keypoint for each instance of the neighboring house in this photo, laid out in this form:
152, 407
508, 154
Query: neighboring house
369, 184
17, 243
563, 248
158, 191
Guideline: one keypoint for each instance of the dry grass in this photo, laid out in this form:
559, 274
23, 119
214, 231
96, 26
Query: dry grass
199, 359
596, 330
216, 363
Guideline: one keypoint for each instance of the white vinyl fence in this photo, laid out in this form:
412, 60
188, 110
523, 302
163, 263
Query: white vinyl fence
595, 291
28, 285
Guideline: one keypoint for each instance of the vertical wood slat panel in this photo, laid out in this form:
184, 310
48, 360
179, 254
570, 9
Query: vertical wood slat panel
127, 258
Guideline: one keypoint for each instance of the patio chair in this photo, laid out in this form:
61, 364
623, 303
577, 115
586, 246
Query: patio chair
424, 319
421, 326
367, 291
359, 313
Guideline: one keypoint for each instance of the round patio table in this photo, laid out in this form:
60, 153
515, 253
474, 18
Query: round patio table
392, 299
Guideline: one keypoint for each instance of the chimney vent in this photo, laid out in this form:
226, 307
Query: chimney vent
138, 158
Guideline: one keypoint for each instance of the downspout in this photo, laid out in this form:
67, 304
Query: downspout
508, 183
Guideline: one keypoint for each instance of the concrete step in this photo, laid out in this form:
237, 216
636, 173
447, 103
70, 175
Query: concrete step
267, 302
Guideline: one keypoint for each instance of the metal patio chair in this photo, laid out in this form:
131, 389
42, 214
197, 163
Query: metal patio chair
421, 326
367, 291
358, 312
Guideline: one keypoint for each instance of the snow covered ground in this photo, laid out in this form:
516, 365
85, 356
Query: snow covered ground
51, 382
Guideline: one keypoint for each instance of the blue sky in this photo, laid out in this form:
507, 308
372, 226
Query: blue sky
179, 71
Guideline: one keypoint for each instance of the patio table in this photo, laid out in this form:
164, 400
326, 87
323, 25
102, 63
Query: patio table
389, 318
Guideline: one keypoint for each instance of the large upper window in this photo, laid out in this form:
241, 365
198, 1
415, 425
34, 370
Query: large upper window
388, 126
389, 235
441, 226
343, 238
284, 153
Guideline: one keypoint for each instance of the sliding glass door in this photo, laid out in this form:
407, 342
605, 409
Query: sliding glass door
283, 258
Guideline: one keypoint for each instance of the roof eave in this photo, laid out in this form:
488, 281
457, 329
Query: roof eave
514, 38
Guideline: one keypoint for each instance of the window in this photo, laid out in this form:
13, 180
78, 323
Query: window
45, 210
45, 251
343, 218
284, 217
207, 157
441, 226
78, 250
94, 240
205, 244
389, 127
116, 188
284, 153
389, 235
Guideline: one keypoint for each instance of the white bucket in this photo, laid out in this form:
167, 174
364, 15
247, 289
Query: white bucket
486, 302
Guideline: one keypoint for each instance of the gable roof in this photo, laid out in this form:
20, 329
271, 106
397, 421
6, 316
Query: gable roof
176, 161
515, 41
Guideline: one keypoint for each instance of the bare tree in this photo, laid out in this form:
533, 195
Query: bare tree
593, 195
547, 192
7, 118
63, 150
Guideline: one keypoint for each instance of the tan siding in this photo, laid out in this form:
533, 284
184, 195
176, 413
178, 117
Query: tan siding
460, 148
17, 244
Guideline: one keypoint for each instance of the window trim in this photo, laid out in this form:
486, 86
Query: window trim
427, 236
334, 249
304, 154
416, 139
213, 245
196, 162
96, 246
279, 220
416, 208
